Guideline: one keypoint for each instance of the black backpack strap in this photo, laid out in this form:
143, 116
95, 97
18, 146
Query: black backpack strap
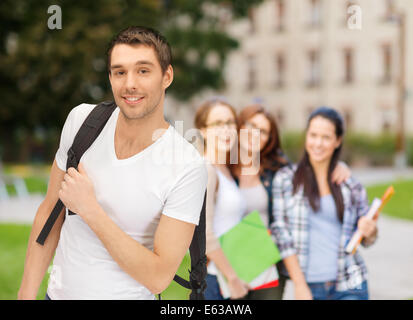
182, 282
87, 134
198, 271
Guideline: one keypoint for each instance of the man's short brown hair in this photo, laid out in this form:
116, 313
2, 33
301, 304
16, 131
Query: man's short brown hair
146, 36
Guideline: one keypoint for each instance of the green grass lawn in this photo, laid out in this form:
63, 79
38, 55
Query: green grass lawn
33, 185
401, 204
13, 245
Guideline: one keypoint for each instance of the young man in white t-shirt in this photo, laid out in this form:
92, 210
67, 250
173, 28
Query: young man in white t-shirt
137, 193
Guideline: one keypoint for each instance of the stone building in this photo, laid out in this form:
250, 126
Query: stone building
295, 55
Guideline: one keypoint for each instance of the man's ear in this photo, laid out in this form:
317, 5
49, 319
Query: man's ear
168, 76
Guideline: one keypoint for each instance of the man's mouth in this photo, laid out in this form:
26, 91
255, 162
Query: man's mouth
132, 99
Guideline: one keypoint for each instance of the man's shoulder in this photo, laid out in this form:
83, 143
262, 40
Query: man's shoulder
78, 114
82, 110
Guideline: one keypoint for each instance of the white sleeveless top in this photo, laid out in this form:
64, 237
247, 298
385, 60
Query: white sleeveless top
256, 198
230, 207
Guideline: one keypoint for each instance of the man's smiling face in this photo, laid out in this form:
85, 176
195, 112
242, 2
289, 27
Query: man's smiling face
138, 83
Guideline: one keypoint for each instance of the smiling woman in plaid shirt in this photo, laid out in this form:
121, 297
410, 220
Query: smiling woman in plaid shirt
314, 218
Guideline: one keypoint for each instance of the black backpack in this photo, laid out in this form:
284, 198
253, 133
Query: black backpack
88, 132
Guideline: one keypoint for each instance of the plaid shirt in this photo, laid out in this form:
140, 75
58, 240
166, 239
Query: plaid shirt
291, 226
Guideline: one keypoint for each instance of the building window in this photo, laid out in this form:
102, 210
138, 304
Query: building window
386, 126
251, 80
386, 120
390, 10
315, 13
386, 64
279, 117
348, 56
308, 111
314, 69
348, 118
251, 19
280, 15
279, 70
348, 14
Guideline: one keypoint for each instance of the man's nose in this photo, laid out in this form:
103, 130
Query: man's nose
131, 81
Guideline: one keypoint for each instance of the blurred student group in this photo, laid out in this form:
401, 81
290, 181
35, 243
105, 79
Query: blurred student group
307, 57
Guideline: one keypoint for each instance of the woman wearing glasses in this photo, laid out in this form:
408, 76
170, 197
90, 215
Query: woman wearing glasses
225, 205
261, 156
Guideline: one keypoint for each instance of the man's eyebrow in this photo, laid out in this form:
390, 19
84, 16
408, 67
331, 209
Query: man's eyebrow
145, 62
141, 62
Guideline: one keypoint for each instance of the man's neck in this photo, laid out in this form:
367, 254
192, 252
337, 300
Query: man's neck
134, 135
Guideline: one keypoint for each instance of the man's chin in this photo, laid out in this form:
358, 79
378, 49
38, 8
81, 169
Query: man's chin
135, 113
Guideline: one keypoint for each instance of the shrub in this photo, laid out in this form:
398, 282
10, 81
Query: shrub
358, 150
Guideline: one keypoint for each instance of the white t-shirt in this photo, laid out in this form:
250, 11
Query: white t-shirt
169, 177
230, 207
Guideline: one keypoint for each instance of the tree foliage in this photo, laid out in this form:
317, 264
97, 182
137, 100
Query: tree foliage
44, 73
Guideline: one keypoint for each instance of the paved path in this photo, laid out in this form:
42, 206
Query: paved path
20, 210
389, 261
369, 176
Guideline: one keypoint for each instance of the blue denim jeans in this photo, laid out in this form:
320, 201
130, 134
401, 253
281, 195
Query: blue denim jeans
212, 291
327, 291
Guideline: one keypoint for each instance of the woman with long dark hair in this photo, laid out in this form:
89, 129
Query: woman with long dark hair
314, 219
259, 159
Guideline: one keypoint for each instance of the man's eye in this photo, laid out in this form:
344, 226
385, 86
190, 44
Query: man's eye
143, 71
119, 73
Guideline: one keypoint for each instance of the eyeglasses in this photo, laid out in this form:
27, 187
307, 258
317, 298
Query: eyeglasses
222, 124
250, 125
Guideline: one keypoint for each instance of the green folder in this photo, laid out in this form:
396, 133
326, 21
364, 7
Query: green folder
249, 247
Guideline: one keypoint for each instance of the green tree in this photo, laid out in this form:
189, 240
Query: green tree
44, 73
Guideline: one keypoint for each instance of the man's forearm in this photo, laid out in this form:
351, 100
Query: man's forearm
139, 262
38, 257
